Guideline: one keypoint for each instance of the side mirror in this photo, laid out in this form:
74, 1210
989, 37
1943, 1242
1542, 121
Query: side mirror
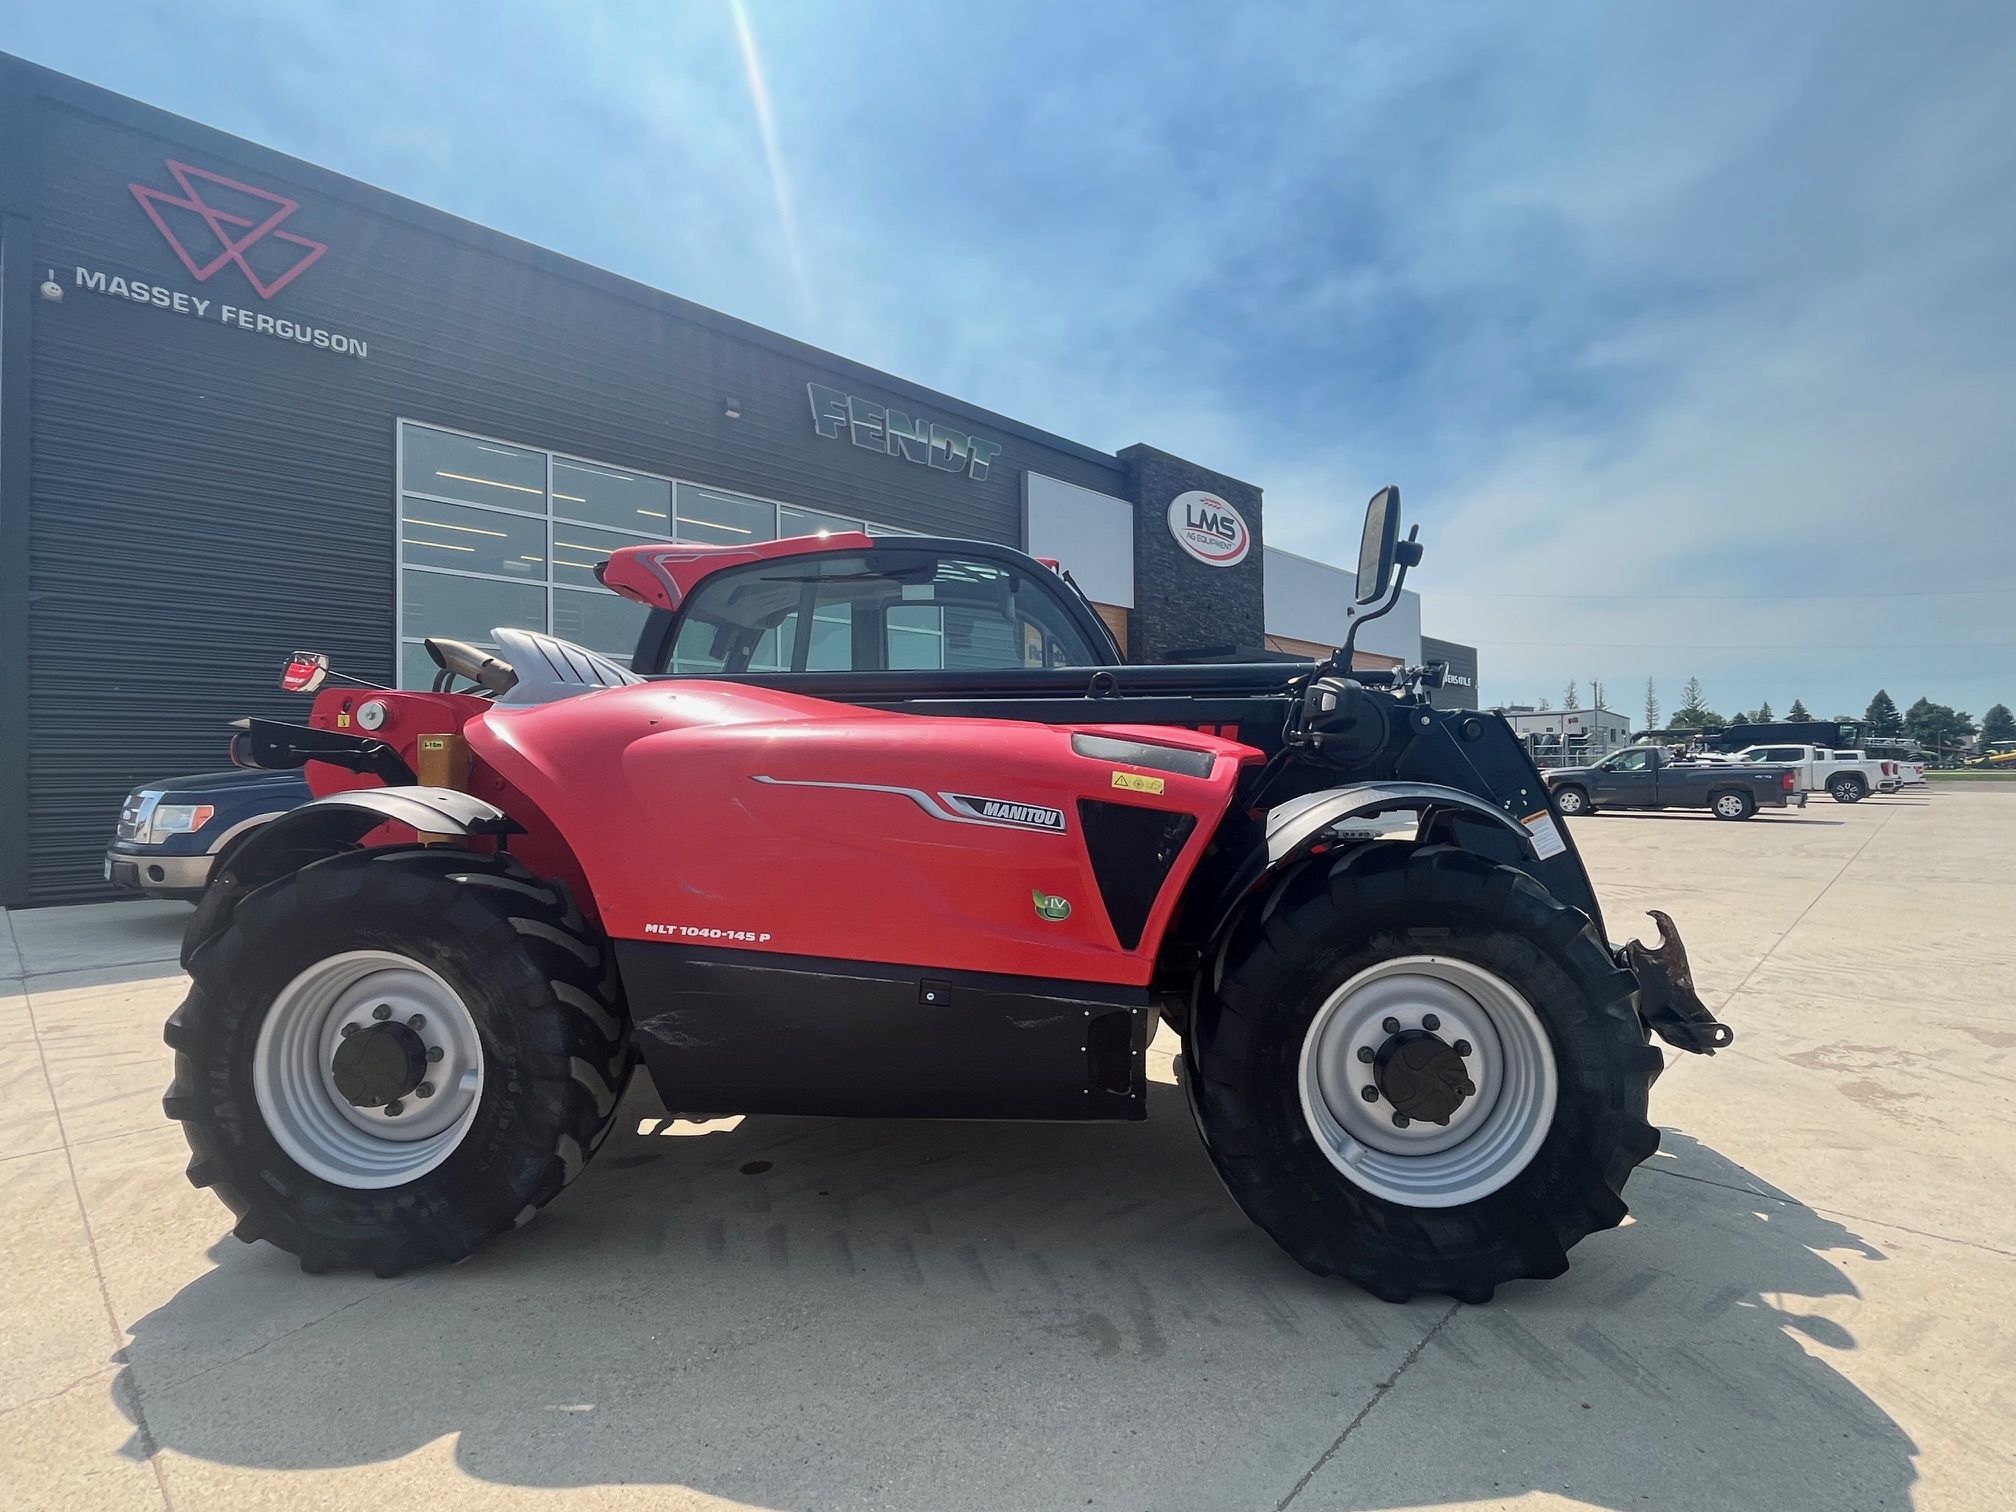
1376, 548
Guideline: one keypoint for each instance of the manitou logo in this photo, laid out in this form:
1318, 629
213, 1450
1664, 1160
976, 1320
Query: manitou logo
232, 222
1209, 529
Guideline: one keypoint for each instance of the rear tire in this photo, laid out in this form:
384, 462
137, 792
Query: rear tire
1572, 801
1734, 804
514, 1006
1847, 788
1496, 1200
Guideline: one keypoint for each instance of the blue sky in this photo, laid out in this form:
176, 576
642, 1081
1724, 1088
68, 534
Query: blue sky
1714, 302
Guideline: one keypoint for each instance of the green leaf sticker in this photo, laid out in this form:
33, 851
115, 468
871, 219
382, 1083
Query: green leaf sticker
1050, 906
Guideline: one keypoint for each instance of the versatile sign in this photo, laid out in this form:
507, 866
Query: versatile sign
221, 233
1209, 529
878, 428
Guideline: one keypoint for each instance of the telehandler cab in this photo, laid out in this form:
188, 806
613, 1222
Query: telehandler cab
885, 827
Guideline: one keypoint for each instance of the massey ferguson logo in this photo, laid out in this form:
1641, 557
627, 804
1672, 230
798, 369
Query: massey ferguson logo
216, 220
1209, 529
1004, 811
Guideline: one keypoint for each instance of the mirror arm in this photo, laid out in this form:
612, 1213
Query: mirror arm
1340, 659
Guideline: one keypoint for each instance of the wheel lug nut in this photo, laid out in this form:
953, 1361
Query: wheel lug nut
1365, 1054
382, 1012
425, 1089
1391, 1026
418, 1021
348, 1030
1461, 1047
394, 1108
1401, 1120
433, 1053
1370, 1094
1430, 1022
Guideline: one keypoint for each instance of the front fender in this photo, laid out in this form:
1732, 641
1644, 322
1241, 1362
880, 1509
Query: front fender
324, 826
1293, 831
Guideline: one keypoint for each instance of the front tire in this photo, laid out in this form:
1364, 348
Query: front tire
391, 1055
1530, 1161
1572, 801
1847, 788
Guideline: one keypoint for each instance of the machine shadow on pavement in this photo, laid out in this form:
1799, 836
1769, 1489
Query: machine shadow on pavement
799, 1313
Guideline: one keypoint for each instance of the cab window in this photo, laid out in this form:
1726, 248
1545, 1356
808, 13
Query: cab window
885, 610
1628, 761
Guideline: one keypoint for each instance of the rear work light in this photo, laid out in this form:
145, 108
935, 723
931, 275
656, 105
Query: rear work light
304, 672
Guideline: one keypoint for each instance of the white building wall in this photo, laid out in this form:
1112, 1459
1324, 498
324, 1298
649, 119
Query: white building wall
1090, 535
1311, 601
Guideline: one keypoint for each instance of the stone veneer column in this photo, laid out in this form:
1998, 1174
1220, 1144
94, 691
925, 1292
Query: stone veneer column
1183, 608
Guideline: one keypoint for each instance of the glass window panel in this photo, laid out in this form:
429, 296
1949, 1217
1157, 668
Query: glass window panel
832, 648
890, 530
468, 608
608, 496
433, 534
792, 521
724, 519
916, 637
483, 472
600, 621
416, 667
579, 549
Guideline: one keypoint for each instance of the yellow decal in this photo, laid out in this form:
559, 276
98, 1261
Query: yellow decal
342, 721
1135, 784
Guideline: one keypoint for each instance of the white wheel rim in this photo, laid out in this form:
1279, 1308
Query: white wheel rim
1571, 802
1489, 1139
1729, 805
366, 1148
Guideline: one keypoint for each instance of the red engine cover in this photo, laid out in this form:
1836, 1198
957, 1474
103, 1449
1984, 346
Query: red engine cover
720, 814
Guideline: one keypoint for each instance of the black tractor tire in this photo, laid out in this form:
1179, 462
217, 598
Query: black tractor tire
1732, 803
1847, 788
547, 1007
1243, 1058
1572, 801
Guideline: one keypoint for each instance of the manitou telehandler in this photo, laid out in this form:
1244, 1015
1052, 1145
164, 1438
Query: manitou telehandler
885, 827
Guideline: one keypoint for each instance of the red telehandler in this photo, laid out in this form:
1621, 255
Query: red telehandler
886, 827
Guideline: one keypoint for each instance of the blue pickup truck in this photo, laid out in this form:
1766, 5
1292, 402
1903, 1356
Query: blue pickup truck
172, 833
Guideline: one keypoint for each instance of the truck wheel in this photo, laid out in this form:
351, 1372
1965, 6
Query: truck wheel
391, 1055
1847, 788
1422, 1072
1734, 804
1572, 800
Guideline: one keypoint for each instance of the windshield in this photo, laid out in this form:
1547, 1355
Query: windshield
884, 610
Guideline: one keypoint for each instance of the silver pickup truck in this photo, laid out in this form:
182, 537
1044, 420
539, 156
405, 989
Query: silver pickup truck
1648, 776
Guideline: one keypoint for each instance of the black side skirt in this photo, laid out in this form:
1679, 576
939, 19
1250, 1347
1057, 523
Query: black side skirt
736, 1031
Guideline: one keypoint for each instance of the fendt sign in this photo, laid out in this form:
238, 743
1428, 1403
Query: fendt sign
1209, 529
876, 427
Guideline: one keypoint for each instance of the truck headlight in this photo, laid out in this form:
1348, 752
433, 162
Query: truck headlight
178, 819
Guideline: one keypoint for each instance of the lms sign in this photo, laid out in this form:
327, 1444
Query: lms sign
1209, 529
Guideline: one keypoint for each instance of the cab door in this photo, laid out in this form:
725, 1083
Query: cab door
1627, 780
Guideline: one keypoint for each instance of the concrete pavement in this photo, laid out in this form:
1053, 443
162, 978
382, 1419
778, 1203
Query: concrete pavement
1811, 1309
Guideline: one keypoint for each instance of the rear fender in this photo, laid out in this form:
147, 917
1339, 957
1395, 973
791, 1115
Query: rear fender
326, 826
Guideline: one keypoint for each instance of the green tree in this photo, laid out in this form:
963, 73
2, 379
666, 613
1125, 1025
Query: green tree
1797, 714
1764, 714
1694, 713
1997, 724
1882, 716
1572, 700
1936, 726
1651, 705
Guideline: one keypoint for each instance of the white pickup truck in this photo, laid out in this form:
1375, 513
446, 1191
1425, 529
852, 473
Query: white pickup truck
1844, 776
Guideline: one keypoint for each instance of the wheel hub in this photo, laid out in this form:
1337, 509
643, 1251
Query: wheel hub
379, 1065
1422, 1076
